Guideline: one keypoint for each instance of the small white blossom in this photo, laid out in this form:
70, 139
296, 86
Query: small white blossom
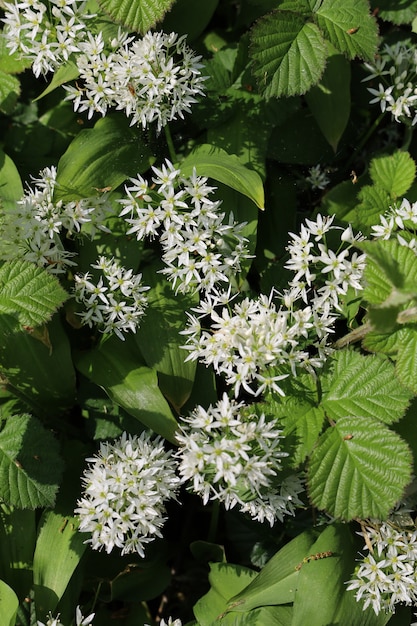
317, 178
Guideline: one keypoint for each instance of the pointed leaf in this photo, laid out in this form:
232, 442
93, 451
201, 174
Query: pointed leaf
8, 605
351, 471
30, 464
349, 26
29, 292
289, 54
11, 188
227, 169
64, 74
363, 386
136, 15
120, 371
406, 362
99, 157
395, 174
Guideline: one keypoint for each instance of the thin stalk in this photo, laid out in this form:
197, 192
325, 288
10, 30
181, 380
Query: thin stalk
408, 135
170, 144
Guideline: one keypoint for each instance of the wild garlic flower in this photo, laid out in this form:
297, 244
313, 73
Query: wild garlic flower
198, 248
126, 487
153, 79
400, 222
33, 229
80, 620
170, 622
317, 178
116, 302
229, 454
47, 33
395, 70
387, 574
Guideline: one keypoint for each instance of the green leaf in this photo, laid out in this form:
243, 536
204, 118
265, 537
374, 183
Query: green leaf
119, 370
59, 549
289, 54
29, 292
363, 386
329, 101
374, 202
185, 20
11, 188
159, 340
277, 581
8, 605
9, 92
395, 174
136, 15
11, 63
64, 74
99, 157
351, 471
349, 26
322, 583
227, 169
30, 464
406, 362
17, 544
398, 12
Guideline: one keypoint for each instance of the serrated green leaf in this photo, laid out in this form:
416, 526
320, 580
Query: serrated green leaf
349, 26
406, 362
395, 174
118, 368
397, 12
374, 201
329, 101
64, 74
289, 54
8, 604
9, 92
351, 471
304, 420
227, 169
136, 15
386, 343
365, 386
29, 292
99, 157
30, 463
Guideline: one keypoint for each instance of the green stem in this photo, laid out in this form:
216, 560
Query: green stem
215, 509
408, 135
170, 144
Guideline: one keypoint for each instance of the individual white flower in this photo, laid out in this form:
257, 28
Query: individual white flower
317, 178
80, 620
170, 622
52, 621
229, 454
125, 489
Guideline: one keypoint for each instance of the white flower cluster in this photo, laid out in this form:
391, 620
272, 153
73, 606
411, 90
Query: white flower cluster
400, 220
80, 620
198, 248
47, 33
125, 490
156, 78
395, 68
387, 575
116, 302
32, 230
257, 342
234, 456
317, 178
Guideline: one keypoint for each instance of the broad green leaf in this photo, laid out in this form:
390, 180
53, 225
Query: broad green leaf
321, 598
136, 15
36, 365
277, 581
64, 74
349, 26
341, 201
159, 339
289, 54
11, 63
395, 174
120, 371
9, 92
397, 12
59, 549
329, 101
8, 605
374, 202
227, 169
29, 292
406, 361
365, 386
30, 463
100, 157
386, 343
17, 544
11, 188
351, 473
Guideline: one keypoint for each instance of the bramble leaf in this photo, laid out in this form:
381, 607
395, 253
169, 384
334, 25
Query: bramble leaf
365, 386
30, 463
394, 174
351, 473
29, 293
406, 362
136, 15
